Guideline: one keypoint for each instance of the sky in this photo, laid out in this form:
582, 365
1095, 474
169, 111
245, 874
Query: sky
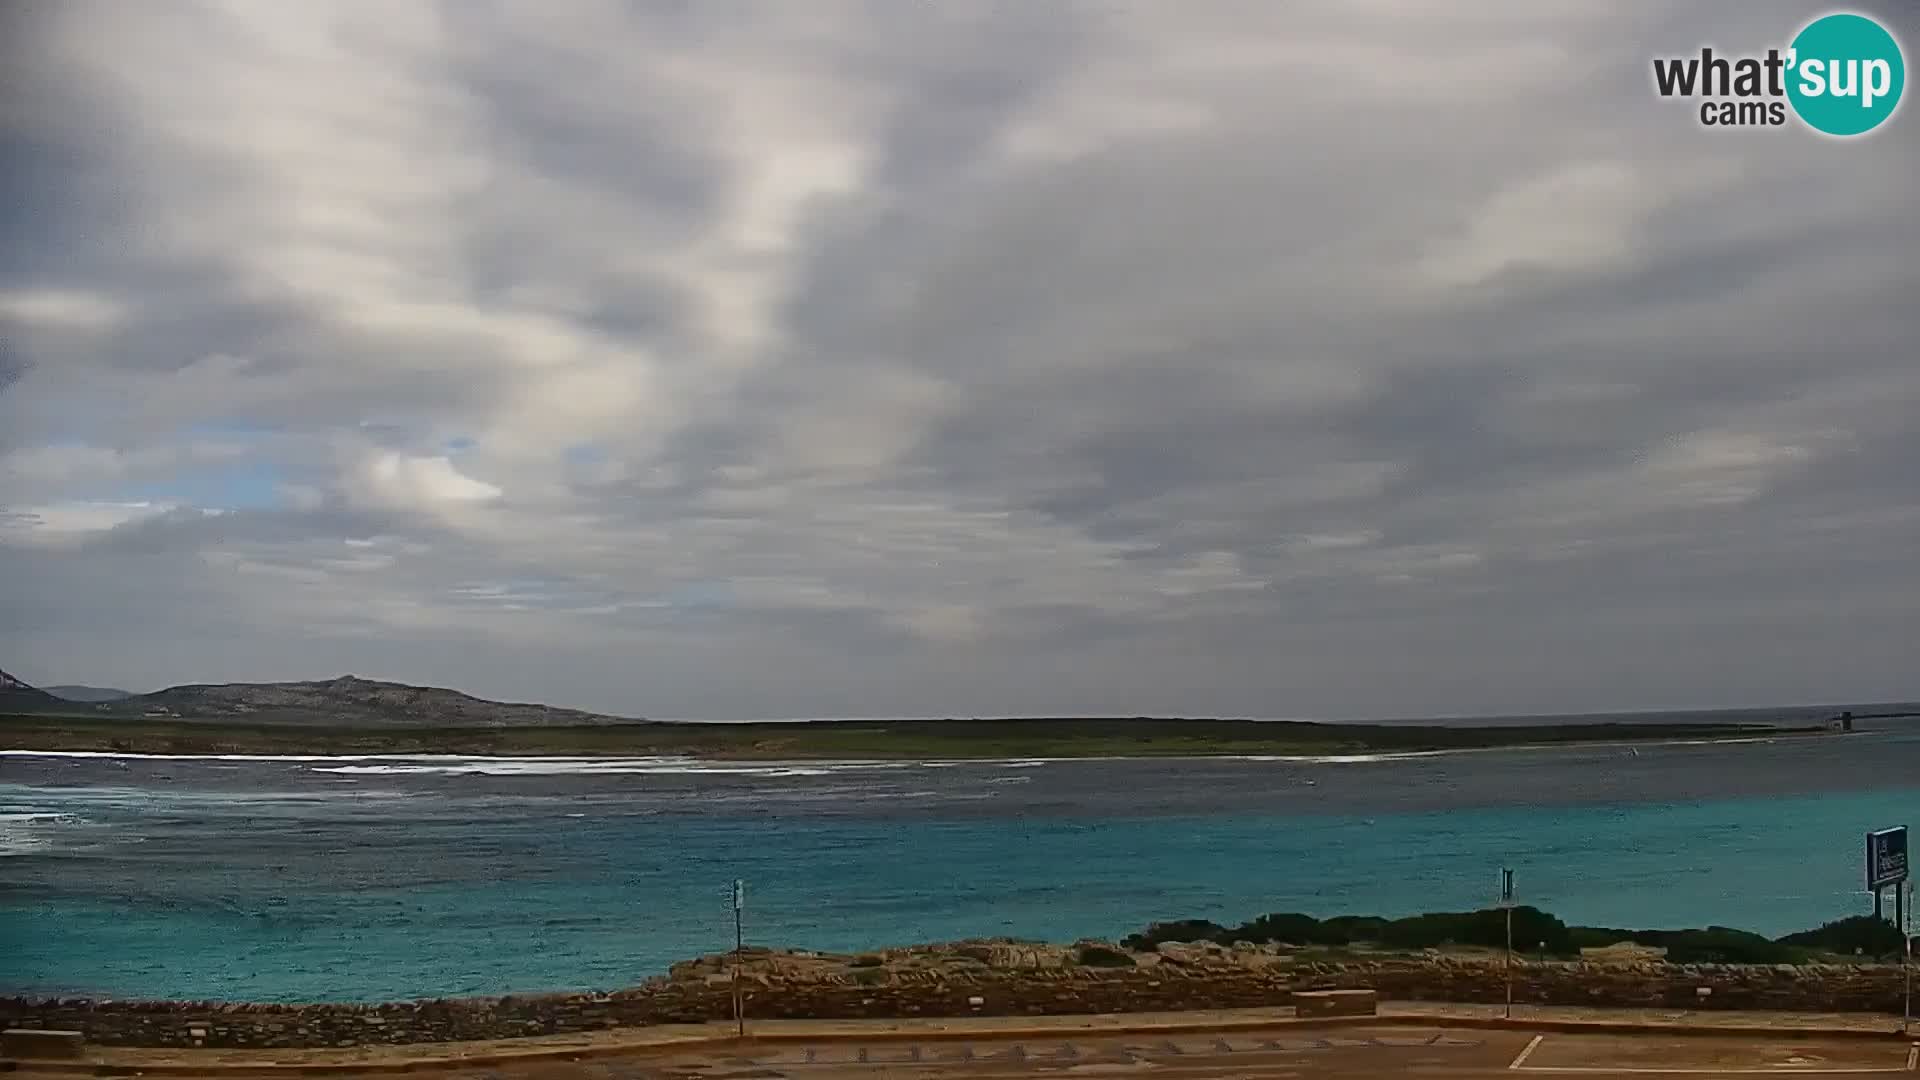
1334, 358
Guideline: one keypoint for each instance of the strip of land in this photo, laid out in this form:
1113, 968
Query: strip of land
1467, 1040
842, 740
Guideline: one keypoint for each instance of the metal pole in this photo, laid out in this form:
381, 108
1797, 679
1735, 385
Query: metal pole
1878, 911
1506, 902
1509, 961
739, 1001
739, 947
1906, 959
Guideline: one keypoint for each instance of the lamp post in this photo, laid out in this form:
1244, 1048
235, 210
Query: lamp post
1506, 901
739, 946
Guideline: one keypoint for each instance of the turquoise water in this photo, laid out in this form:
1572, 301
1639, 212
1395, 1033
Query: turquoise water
316, 880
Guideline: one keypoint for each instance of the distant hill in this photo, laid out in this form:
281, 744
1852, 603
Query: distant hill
347, 701
19, 697
87, 694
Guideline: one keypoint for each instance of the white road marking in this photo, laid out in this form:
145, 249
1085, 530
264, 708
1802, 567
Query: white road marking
1528, 1052
1520, 1065
1775, 1071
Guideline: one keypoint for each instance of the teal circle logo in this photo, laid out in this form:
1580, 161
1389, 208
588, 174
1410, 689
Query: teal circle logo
1846, 75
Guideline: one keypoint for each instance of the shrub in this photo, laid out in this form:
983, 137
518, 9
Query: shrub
1177, 930
864, 960
1291, 928
1435, 929
1599, 937
1865, 933
1533, 929
1719, 945
1346, 929
1103, 956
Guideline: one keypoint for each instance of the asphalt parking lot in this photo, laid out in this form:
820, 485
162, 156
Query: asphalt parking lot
1347, 1053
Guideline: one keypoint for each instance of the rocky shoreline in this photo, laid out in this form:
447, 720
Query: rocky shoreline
988, 977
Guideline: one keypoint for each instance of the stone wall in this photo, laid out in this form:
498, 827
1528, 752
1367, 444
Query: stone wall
882, 992
216, 1024
1787, 988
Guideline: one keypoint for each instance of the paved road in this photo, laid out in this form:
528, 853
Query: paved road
1283, 1054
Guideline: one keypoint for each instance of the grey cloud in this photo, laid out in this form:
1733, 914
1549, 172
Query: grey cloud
930, 360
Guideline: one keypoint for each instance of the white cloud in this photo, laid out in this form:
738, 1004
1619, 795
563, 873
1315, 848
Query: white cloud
1583, 216
946, 624
70, 522
57, 309
1133, 348
418, 483
1713, 467
69, 466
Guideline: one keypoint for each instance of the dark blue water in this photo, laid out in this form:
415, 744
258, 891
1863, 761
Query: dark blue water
363, 879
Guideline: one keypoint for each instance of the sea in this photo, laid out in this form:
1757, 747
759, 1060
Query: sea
311, 878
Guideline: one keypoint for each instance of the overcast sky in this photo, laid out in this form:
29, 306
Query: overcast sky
724, 359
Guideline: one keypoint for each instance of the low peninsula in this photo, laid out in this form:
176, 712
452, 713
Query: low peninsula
350, 715
363, 715
919, 740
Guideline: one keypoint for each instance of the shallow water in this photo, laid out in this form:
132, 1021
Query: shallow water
308, 878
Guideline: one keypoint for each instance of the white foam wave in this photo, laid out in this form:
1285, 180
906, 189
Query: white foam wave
1709, 742
575, 767
120, 756
1562, 747
345, 766
1347, 759
16, 817
25, 829
119, 798
531, 765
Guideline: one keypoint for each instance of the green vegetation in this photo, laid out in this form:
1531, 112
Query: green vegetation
1102, 956
1862, 934
839, 739
1536, 932
1713, 945
1533, 931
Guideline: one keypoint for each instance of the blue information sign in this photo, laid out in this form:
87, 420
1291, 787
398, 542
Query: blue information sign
1886, 857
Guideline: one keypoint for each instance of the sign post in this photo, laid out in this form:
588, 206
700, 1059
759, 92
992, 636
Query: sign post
1506, 902
1887, 865
739, 946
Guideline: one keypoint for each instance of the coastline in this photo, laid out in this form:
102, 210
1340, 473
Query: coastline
694, 760
1057, 850
984, 978
1039, 739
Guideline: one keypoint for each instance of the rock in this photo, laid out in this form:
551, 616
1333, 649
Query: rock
938, 981
1188, 954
